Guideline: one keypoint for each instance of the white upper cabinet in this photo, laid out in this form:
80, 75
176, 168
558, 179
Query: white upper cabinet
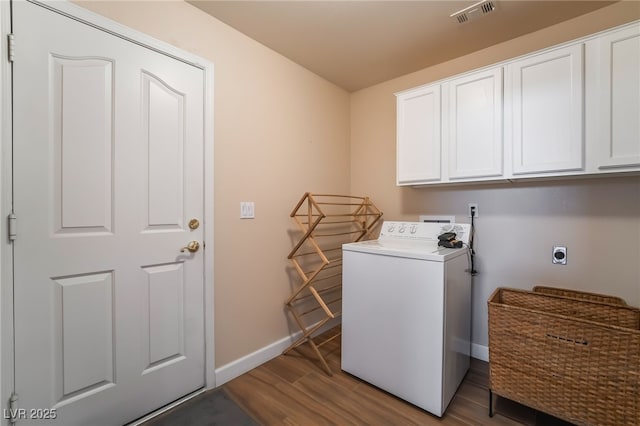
419, 135
473, 135
547, 111
565, 111
617, 103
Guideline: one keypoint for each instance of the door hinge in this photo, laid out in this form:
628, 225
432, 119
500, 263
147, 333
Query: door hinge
13, 409
11, 219
11, 47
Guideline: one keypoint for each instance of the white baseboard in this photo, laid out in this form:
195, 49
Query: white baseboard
480, 352
248, 362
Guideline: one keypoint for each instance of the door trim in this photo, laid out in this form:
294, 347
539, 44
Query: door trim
6, 195
78, 13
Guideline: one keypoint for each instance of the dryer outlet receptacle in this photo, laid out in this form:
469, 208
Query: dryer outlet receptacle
559, 255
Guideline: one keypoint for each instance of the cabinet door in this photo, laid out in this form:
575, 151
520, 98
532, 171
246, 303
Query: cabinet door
474, 136
547, 102
619, 99
419, 135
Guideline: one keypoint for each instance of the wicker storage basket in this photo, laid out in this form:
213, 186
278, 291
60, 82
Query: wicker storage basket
575, 359
594, 297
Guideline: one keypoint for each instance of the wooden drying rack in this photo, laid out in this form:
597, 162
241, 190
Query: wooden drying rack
326, 221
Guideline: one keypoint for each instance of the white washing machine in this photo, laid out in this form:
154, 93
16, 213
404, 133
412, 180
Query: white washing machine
406, 312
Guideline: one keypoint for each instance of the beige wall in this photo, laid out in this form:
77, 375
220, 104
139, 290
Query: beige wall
597, 219
279, 131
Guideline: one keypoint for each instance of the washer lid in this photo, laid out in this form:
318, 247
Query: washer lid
413, 249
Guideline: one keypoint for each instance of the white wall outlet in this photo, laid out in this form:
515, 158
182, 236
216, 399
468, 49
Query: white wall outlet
559, 255
475, 207
247, 210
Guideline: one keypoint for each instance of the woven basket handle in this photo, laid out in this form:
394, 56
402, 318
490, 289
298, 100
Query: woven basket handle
568, 339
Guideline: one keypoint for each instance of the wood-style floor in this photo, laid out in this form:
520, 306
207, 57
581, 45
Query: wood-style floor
293, 389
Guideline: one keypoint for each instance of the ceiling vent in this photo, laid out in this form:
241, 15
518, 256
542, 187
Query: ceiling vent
474, 11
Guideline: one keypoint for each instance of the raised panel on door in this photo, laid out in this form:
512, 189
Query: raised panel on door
619, 99
419, 136
547, 114
474, 137
164, 316
163, 109
82, 110
83, 326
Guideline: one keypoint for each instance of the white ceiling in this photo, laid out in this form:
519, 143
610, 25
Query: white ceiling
356, 44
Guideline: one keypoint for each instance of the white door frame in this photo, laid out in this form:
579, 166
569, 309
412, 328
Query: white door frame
6, 183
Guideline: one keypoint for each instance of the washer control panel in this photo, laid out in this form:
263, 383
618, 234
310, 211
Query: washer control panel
423, 230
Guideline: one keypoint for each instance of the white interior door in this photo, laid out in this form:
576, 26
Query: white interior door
108, 172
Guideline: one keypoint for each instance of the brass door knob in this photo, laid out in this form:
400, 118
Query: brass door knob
193, 247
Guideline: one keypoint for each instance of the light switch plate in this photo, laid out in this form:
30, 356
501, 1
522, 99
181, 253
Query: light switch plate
247, 210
